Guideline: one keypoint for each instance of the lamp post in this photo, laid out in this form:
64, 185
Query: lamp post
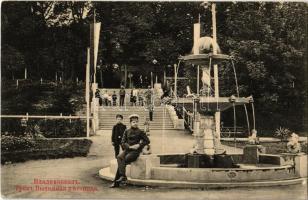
175, 80
130, 75
175, 77
99, 68
155, 69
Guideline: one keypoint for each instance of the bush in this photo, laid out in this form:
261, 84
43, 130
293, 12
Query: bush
43, 149
62, 128
13, 143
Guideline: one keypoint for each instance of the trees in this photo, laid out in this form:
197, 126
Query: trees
46, 37
266, 39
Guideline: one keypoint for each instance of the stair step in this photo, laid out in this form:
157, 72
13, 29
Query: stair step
161, 118
153, 128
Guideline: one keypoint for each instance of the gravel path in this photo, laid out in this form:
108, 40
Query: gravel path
85, 171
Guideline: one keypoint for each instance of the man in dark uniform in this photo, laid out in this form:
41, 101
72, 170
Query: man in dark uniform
122, 95
117, 134
133, 142
98, 96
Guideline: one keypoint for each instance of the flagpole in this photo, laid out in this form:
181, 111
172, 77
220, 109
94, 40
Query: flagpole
216, 86
94, 64
88, 91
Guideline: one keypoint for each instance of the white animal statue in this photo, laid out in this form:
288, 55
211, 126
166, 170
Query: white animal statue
293, 145
206, 45
253, 139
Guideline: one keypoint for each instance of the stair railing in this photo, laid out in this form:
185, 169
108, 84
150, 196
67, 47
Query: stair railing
188, 119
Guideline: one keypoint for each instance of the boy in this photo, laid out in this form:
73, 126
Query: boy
117, 134
133, 142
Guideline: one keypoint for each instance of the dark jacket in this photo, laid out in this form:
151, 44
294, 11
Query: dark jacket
117, 133
134, 136
97, 94
122, 92
114, 97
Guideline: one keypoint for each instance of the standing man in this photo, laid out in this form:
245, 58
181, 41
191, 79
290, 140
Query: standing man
151, 111
105, 97
133, 142
98, 96
140, 98
117, 134
148, 96
122, 95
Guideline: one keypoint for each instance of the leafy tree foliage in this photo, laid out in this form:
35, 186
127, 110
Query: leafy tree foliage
266, 39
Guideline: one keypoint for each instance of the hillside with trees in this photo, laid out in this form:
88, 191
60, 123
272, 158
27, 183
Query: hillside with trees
266, 39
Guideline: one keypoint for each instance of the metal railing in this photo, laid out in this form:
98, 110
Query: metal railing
27, 116
188, 119
50, 126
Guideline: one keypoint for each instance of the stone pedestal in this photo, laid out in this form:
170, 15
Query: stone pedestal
207, 125
95, 108
179, 124
94, 87
251, 154
199, 143
301, 164
113, 167
141, 168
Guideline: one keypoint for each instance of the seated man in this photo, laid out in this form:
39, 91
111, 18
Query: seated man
133, 141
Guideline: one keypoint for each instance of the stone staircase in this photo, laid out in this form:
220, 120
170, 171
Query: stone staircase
161, 118
110, 91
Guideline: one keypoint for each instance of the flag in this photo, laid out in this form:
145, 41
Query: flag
94, 42
206, 77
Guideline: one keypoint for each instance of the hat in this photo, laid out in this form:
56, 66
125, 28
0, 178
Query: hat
120, 116
133, 116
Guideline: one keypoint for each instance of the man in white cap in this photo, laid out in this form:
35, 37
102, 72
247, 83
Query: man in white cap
133, 141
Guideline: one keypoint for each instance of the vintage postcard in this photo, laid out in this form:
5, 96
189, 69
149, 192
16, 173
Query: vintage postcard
154, 100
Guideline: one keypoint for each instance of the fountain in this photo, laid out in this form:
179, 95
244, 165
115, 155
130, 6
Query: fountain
208, 165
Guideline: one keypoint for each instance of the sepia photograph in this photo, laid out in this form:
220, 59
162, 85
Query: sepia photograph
154, 100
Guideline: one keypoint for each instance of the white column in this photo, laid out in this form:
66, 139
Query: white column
196, 38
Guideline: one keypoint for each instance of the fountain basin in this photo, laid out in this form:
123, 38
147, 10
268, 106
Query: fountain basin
203, 59
211, 103
169, 170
